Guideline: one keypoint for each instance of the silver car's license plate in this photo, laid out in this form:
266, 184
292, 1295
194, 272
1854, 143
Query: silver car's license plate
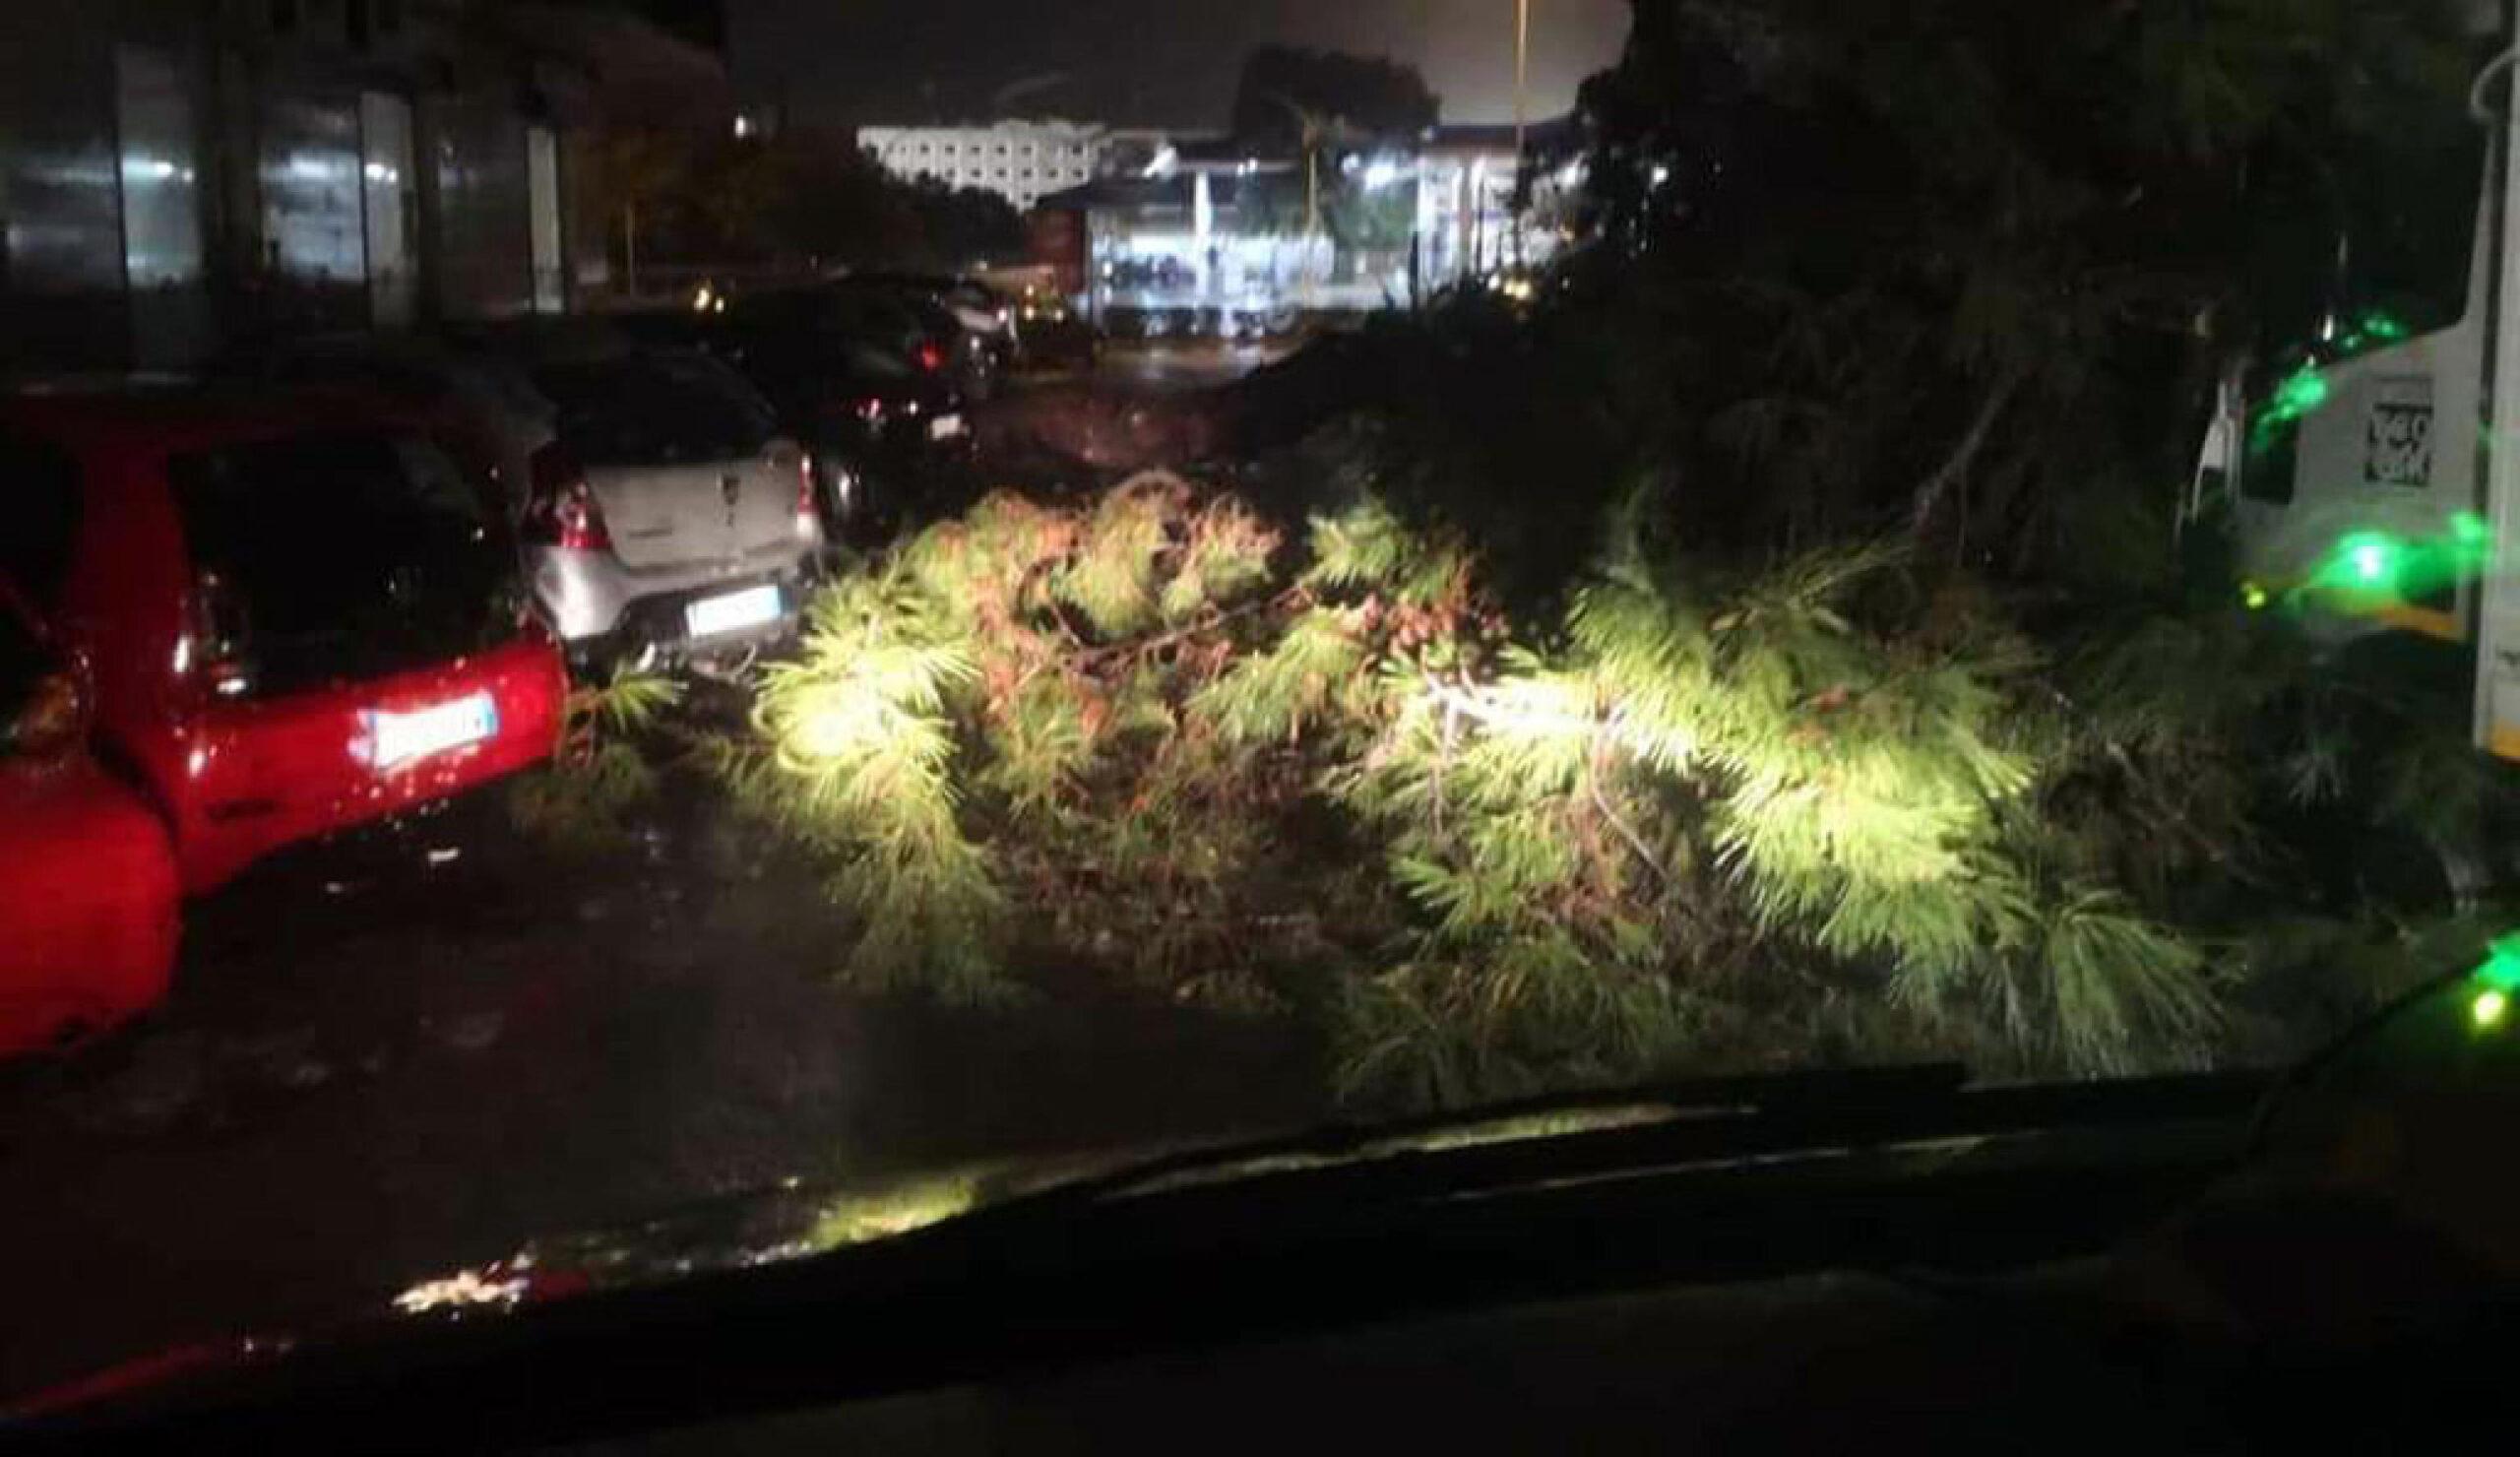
732, 611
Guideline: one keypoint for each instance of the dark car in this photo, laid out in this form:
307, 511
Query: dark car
854, 377
1053, 334
971, 332
985, 319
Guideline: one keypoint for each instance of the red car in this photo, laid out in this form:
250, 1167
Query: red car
301, 613
86, 876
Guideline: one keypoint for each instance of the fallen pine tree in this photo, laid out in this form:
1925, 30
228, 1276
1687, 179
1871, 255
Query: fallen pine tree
1840, 809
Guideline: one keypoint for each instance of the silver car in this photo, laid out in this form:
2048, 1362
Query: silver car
669, 517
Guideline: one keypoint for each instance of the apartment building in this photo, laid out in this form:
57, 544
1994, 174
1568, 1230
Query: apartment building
1022, 162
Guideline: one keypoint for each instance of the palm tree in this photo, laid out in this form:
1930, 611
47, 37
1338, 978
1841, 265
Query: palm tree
1316, 131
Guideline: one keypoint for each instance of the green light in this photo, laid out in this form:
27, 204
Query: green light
2383, 327
2501, 969
2490, 1008
2366, 563
2303, 391
2253, 597
2300, 392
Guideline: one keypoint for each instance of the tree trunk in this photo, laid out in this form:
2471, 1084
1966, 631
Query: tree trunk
1953, 474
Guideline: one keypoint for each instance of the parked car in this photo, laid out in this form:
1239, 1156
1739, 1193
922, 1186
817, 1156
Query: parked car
88, 890
1056, 336
877, 319
489, 414
643, 426
940, 332
670, 517
847, 376
301, 612
985, 318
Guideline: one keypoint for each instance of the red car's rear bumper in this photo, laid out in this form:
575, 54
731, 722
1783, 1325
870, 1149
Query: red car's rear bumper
255, 776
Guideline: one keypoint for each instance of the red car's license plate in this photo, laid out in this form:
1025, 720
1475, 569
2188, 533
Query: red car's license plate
398, 738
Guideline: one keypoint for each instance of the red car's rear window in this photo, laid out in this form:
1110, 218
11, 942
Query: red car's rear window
347, 554
21, 660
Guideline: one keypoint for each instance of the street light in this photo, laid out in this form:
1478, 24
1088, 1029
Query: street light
1522, 72
1522, 110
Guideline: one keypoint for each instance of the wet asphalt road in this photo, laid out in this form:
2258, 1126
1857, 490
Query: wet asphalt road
1166, 365
380, 1064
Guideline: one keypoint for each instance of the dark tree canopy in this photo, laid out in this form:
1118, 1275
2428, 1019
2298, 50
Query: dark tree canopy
799, 196
1289, 91
960, 227
1966, 264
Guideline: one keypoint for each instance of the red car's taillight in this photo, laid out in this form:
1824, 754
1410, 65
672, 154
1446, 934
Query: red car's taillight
809, 515
563, 511
213, 649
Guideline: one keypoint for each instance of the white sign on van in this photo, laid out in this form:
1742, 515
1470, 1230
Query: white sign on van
2397, 432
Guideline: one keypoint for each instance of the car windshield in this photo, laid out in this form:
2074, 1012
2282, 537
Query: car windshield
917, 596
653, 410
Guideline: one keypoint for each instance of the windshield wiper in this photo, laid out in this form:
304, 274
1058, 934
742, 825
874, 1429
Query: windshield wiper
1710, 1119
1614, 1132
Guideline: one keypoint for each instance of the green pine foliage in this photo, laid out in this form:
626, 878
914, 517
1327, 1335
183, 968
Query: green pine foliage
582, 805
987, 738
1111, 579
860, 765
1798, 775
1835, 808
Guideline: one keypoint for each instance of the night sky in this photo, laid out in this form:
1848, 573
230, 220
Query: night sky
1141, 62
